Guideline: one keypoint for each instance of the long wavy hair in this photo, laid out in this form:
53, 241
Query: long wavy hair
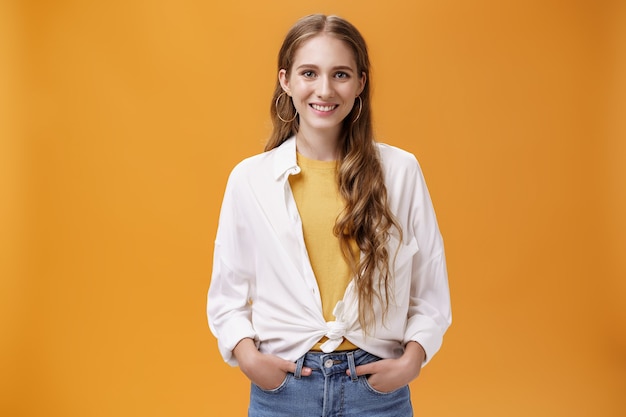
366, 219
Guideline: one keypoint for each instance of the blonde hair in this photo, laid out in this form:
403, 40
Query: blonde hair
366, 219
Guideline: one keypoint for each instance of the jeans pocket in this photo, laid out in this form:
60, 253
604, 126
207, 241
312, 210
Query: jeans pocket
279, 388
363, 379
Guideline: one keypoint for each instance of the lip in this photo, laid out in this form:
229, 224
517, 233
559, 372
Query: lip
323, 108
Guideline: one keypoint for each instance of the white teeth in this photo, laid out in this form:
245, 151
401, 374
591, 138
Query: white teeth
322, 108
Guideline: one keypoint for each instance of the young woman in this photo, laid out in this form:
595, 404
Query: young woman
329, 286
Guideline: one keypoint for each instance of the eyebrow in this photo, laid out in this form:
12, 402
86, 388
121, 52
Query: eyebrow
336, 68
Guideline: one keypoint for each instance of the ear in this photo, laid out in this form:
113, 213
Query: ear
284, 81
362, 82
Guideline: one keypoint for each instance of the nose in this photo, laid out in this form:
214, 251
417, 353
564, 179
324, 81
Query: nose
325, 88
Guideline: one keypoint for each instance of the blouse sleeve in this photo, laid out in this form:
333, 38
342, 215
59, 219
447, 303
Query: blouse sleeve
232, 284
429, 314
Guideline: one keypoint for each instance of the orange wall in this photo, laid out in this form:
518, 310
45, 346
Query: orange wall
120, 122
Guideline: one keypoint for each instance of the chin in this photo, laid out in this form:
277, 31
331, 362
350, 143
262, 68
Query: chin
326, 124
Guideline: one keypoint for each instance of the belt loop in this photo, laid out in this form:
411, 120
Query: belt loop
299, 364
351, 366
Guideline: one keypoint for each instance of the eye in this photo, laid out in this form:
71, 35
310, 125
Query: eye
308, 74
341, 74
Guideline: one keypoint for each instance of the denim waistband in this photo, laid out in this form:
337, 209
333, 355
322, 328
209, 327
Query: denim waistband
334, 362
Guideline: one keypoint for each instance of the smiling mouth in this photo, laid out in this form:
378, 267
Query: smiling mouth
324, 108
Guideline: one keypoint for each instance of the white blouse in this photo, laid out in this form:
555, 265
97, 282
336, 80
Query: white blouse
263, 286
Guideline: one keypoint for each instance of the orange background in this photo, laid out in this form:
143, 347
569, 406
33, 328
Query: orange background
120, 121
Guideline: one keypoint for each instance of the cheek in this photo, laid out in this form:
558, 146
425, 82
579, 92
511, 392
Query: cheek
359, 89
350, 94
351, 89
297, 92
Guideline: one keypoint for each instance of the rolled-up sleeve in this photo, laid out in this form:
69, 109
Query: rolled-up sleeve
232, 286
429, 314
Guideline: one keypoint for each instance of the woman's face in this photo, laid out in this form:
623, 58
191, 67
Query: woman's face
323, 83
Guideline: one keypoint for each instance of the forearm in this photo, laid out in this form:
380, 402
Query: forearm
414, 355
244, 352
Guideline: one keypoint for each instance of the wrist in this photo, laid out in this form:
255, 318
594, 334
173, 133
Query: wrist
245, 352
414, 354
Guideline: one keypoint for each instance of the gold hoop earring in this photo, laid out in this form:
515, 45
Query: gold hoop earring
360, 108
278, 113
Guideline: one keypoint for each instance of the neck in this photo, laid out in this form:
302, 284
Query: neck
318, 145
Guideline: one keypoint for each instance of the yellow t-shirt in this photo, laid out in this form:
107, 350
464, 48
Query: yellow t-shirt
316, 192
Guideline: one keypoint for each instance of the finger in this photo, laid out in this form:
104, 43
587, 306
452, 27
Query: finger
364, 369
291, 368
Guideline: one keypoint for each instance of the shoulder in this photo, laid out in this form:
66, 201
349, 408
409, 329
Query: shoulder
251, 164
240, 185
256, 166
396, 160
268, 165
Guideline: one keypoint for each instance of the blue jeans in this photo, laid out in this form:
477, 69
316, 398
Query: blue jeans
329, 392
